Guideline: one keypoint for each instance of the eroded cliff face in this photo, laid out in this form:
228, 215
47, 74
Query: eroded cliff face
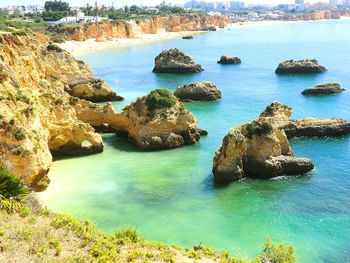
153, 25
36, 116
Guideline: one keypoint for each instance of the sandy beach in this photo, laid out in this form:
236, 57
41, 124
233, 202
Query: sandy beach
79, 48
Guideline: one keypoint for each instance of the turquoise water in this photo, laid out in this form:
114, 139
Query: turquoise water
170, 195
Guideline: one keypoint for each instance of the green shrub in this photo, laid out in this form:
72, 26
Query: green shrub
10, 185
256, 128
278, 253
20, 134
53, 47
128, 234
160, 98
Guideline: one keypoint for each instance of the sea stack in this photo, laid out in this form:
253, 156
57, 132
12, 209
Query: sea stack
175, 61
198, 91
256, 149
229, 60
324, 89
307, 66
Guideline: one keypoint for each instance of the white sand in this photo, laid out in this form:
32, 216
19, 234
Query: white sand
78, 48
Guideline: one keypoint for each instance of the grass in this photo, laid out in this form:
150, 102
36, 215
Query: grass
159, 99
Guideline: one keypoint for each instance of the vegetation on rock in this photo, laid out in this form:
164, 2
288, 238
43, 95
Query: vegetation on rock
159, 99
256, 128
53, 47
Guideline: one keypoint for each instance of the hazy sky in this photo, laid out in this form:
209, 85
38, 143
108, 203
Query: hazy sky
140, 2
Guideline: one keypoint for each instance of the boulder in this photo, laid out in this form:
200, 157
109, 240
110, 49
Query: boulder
229, 60
324, 89
175, 61
256, 149
307, 66
198, 91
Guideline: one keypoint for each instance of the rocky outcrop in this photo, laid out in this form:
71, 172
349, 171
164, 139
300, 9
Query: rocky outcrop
256, 149
229, 60
279, 115
312, 127
77, 77
153, 122
152, 25
175, 61
324, 89
36, 114
198, 91
307, 66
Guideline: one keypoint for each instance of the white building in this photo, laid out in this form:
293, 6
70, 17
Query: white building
80, 18
33, 9
21, 9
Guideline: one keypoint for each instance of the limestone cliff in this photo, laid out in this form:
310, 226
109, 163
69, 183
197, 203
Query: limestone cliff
152, 25
36, 116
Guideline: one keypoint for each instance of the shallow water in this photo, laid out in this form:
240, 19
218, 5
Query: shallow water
170, 195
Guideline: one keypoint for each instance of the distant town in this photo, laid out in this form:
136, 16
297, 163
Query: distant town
235, 10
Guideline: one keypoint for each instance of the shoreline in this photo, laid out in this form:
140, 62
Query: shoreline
80, 48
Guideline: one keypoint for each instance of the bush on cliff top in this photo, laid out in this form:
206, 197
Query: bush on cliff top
160, 98
256, 128
53, 47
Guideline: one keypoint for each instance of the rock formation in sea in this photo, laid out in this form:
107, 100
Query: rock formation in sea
307, 66
198, 91
152, 25
261, 148
324, 89
153, 122
229, 60
187, 37
280, 116
175, 61
256, 149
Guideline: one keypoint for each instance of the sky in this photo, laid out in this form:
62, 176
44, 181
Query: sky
141, 2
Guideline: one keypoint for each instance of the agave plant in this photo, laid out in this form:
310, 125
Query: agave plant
12, 190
